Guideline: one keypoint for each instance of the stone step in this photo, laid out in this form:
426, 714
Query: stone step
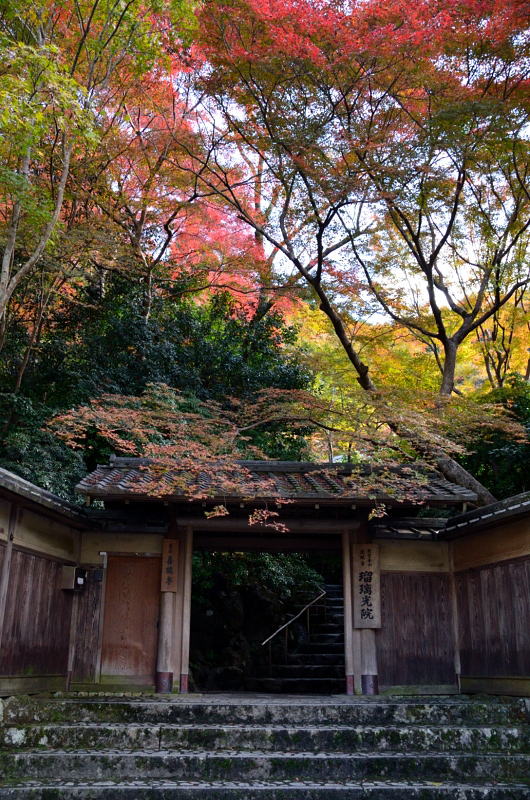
309, 739
244, 709
302, 685
263, 790
95, 765
307, 671
325, 627
327, 638
319, 659
319, 647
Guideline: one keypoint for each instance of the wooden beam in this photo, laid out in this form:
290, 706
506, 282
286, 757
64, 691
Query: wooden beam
241, 543
323, 527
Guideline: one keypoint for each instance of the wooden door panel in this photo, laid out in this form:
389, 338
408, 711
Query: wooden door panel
132, 597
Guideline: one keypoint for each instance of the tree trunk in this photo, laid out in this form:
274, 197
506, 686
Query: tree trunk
448, 376
451, 470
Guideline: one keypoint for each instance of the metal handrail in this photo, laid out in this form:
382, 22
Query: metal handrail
294, 618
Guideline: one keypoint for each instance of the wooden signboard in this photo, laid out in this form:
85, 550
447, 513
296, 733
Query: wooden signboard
366, 586
169, 565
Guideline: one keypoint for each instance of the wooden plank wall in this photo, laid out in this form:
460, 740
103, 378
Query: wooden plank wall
415, 644
87, 625
37, 620
494, 619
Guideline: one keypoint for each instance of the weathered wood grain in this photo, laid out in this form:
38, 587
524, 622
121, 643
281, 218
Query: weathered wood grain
494, 619
414, 644
88, 620
131, 615
37, 618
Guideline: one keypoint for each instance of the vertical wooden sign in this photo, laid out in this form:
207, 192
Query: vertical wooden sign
366, 586
170, 554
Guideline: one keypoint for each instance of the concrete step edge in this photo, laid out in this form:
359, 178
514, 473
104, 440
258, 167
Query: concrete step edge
242, 754
138, 784
264, 726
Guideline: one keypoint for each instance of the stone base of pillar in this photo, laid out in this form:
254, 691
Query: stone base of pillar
349, 685
370, 684
164, 682
184, 684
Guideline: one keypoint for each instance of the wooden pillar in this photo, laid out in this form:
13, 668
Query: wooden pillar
369, 677
186, 610
97, 676
367, 609
168, 588
72, 640
164, 671
6, 566
348, 612
74, 633
357, 665
178, 611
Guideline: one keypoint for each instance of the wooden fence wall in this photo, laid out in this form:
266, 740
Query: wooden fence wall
37, 618
415, 643
494, 619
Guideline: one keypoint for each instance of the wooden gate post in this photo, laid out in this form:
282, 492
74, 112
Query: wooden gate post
164, 673
369, 676
367, 610
169, 583
186, 610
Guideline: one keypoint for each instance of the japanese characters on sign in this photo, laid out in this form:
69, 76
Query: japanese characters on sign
169, 565
366, 586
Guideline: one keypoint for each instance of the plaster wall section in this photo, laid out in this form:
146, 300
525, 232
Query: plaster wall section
141, 544
44, 536
413, 556
502, 543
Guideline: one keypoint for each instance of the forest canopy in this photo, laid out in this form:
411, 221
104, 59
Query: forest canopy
297, 230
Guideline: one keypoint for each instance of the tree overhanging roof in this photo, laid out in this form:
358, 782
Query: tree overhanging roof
129, 478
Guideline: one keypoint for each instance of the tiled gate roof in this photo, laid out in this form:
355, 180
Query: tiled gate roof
129, 478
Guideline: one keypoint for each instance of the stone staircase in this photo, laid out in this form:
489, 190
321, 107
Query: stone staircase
317, 665
239, 747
